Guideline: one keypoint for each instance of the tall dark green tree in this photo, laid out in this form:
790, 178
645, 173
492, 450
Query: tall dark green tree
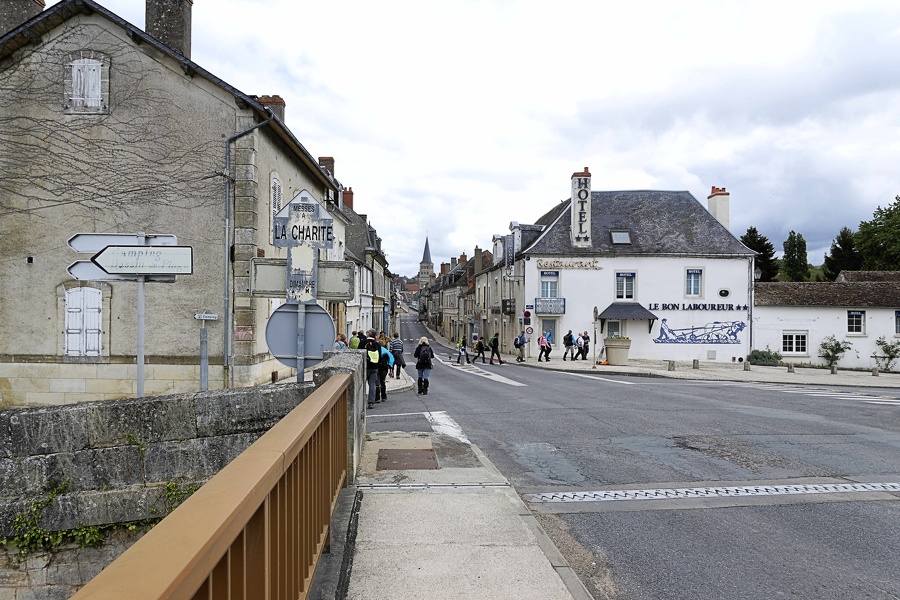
765, 260
795, 265
843, 255
878, 240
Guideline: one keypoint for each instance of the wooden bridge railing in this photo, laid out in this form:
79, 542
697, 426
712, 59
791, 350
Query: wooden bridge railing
255, 530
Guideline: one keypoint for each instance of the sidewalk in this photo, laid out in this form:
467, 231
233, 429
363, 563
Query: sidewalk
431, 517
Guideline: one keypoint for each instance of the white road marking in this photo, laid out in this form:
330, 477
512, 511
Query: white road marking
473, 370
443, 424
598, 378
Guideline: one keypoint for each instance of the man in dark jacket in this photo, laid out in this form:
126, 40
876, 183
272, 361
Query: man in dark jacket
373, 357
495, 348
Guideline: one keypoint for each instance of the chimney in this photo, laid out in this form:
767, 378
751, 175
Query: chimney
347, 198
477, 258
452, 263
15, 12
717, 204
275, 103
581, 210
327, 163
445, 268
169, 21
462, 258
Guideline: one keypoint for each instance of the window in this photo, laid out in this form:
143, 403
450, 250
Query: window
620, 237
83, 319
692, 282
614, 328
87, 83
276, 195
625, 286
549, 284
856, 321
794, 342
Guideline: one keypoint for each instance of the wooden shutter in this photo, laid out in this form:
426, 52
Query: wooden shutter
83, 321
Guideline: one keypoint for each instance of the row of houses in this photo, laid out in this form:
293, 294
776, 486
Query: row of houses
655, 268
109, 129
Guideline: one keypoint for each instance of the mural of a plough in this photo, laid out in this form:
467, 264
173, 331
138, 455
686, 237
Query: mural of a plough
711, 333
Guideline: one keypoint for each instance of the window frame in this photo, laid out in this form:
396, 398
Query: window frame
94, 101
628, 280
549, 284
693, 287
795, 337
856, 322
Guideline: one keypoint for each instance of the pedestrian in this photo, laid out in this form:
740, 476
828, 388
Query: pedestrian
461, 350
568, 345
586, 346
385, 364
544, 347
373, 356
396, 348
354, 341
340, 342
478, 345
579, 345
423, 354
362, 338
495, 348
520, 344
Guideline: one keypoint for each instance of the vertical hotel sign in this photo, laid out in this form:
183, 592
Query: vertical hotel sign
509, 251
581, 209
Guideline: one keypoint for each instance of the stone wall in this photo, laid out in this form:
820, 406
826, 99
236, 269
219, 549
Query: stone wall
119, 455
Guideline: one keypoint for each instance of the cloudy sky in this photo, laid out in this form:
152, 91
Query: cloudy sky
451, 119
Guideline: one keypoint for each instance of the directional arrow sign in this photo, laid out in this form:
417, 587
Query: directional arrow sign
145, 260
95, 242
85, 270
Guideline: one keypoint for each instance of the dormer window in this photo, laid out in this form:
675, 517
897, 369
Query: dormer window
620, 236
87, 83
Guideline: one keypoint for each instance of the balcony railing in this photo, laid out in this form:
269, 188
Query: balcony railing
550, 306
255, 530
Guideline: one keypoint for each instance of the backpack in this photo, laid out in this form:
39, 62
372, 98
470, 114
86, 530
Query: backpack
386, 359
373, 352
516, 342
567, 339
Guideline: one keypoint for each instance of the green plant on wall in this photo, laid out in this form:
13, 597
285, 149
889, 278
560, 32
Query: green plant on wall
832, 349
175, 492
29, 536
890, 352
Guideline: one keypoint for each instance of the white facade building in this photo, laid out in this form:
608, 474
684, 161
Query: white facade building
656, 267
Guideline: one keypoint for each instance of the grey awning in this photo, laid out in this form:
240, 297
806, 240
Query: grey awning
626, 310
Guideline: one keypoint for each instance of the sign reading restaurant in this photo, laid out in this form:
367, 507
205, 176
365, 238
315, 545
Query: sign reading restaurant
547, 263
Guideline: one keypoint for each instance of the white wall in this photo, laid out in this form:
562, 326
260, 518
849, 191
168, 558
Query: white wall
772, 322
659, 287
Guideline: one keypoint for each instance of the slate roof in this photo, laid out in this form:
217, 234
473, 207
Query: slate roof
659, 222
852, 276
881, 294
626, 310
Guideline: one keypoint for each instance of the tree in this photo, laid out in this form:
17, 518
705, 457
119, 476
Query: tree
843, 255
765, 259
878, 240
794, 261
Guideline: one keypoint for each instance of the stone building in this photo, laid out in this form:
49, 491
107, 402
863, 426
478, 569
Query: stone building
110, 129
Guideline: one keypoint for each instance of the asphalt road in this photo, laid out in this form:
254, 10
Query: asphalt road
756, 521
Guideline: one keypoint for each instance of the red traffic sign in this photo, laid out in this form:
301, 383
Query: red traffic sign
526, 314
146, 260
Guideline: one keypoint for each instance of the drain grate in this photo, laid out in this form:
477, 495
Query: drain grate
713, 492
394, 459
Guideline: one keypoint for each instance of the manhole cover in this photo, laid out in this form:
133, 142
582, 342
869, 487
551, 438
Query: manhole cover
403, 460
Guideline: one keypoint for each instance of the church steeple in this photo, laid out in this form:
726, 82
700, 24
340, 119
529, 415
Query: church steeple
426, 267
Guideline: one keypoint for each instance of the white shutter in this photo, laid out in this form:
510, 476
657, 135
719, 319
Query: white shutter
83, 321
86, 74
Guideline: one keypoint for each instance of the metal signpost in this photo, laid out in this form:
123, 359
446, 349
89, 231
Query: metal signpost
131, 257
303, 227
204, 348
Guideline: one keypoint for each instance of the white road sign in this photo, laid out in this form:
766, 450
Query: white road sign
85, 270
146, 260
95, 242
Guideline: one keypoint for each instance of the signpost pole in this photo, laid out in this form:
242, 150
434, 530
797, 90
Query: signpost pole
204, 357
301, 341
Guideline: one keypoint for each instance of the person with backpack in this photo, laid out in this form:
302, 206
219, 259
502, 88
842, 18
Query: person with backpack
396, 348
586, 345
461, 350
373, 356
385, 364
520, 345
545, 347
423, 354
495, 348
568, 345
478, 345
